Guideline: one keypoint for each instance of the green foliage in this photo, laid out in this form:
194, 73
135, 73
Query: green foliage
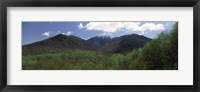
162, 52
158, 54
63, 60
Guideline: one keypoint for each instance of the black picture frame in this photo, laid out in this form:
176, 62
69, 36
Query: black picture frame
98, 3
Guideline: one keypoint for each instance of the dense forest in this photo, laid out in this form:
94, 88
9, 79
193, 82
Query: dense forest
160, 53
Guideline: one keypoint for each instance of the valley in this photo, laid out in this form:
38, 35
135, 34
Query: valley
127, 52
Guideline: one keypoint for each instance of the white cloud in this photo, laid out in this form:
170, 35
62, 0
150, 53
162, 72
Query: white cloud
68, 33
103, 26
58, 32
152, 27
116, 26
80, 26
46, 33
86, 38
105, 34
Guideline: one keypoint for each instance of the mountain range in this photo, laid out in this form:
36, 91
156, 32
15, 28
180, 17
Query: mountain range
122, 44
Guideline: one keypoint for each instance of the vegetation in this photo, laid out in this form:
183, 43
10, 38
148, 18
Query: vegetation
160, 53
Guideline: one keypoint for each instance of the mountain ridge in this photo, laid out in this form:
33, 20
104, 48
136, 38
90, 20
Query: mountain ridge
99, 41
125, 43
120, 44
60, 41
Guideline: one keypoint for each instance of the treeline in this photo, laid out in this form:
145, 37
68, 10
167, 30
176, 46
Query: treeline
158, 54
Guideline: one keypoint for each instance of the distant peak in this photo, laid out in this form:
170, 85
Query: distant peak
60, 35
103, 36
135, 35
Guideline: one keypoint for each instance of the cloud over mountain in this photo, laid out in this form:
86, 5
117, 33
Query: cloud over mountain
69, 33
46, 33
110, 27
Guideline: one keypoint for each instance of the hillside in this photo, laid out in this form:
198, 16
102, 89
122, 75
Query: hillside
58, 42
125, 43
99, 41
106, 44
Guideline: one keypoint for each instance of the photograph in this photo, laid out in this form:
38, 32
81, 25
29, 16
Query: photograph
99, 45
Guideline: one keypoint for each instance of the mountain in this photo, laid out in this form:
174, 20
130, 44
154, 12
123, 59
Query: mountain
122, 44
58, 42
99, 41
125, 43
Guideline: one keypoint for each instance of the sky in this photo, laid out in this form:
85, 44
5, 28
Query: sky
37, 31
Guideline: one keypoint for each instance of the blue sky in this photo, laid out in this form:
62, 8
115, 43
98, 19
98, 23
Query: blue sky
37, 31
